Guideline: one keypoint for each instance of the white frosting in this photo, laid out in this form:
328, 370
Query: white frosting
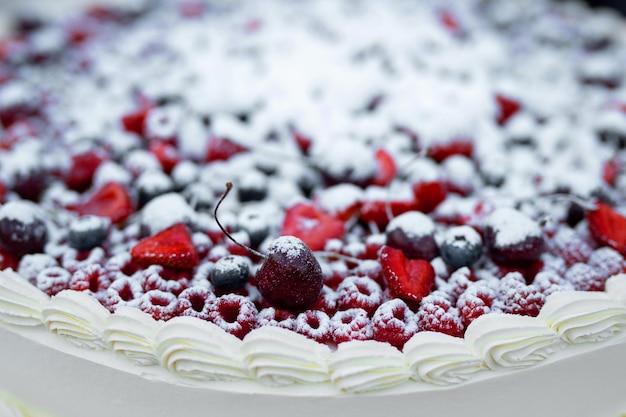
20, 303
132, 333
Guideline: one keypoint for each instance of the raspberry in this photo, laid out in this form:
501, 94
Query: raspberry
607, 261
351, 324
458, 282
195, 302
437, 314
121, 291
326, 302
359, 292
477, 300
585, 277
93, 278
550, 281
271, 316
234, 314
519, 298
73, 260
31, 265
53, 280
569, 246
155, 278
313, 324
160, 305
393, 322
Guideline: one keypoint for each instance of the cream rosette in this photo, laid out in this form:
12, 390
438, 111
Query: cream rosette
21, 304
132, 333
199, 350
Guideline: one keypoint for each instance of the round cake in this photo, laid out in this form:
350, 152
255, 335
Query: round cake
313, 207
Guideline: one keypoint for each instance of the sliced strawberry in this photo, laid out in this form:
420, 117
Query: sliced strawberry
428, 195
608, 227
222, 149
380, 212
170, 248
111, 200
313, 226
84, 165
457, 146
409, 279
134, 122
167, 154
610, 171
304, 142
386, 170
3, 192
508, 107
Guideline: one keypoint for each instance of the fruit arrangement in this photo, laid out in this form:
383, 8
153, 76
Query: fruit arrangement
397, 225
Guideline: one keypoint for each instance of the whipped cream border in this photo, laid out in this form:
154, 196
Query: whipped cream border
198, 351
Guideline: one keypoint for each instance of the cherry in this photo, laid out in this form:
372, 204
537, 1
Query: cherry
22, 229
290, 277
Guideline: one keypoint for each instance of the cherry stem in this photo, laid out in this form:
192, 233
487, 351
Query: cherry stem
229, 186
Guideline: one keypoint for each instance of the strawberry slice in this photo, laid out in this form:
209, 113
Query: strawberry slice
222, 149
608, 227
311, 225
408, 279
457, 146
84, 165
508, 108
610, 171
134, 122
111, 200
387, 168
380, 212
167, 154
171, 248
428, 195
304, 142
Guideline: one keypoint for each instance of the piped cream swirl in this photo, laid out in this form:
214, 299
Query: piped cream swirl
78, 317
579, 317
277, 356
132, 333
21, 303
200, 350
363, 366
440, 359
507, 341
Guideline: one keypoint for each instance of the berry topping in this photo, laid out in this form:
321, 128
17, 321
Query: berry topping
477, 300
359, 292
290, 276
234, 314
351, 324
22, 228
195, 302
311, 225
519, 298
314, 324
437, 314
87, 232
608, 227
171, 248
461, 246
394, 323
111, 200
512, 237
408, 279
230, 273
413, 233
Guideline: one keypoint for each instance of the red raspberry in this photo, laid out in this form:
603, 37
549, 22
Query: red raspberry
519, 298
74, 260
234, 314
313, 324
271, 316
394, 323
477, 300
93, 279
437, 314
160, 305
122, 290
585, 277
53, 280
359, 292
607, 261
550, 281
352, 324
326, 302
155, 278
568, 245
458, 282
195, 302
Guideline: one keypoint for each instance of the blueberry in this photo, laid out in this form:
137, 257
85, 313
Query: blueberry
253, 187
87, 232
230, 273
461, 246
22, 228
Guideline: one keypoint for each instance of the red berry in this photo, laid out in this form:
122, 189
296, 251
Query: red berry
313, 324
290, 276
93, 278
507, 108
428, 195
195, 302
568, 245
171, 248
477, 300
519, 298
134, 122
111, 200
352, 324
313, 226
156, 278
160, 305
394, 323
82, 169
437, 314
608, 227
234, 314
359, 292
414, 234
222, 149
457, 146
53, 280
380, 212
167, 154
386, 170
584, 277
513, 238
409, 279
607, 261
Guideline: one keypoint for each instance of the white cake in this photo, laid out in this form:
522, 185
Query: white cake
457, 171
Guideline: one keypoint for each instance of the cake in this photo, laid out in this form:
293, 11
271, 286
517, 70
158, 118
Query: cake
313, 207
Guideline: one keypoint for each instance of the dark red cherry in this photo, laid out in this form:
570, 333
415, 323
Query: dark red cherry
22, 229
290, 276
